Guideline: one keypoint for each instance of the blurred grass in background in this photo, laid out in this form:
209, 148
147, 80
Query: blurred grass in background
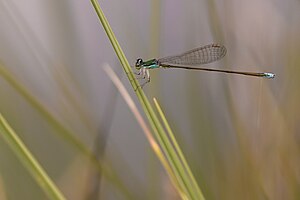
239, 134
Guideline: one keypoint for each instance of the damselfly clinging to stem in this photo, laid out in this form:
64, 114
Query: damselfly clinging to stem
202, 55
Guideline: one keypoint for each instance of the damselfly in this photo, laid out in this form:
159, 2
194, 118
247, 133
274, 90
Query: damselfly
202, 55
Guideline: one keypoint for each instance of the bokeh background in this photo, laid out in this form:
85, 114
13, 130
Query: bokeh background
240, 134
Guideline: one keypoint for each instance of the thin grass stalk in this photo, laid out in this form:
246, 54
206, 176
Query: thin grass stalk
28, 160
153, 120
193, 182
158, 130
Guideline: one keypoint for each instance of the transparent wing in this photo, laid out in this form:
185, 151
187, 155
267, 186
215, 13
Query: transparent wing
202, 55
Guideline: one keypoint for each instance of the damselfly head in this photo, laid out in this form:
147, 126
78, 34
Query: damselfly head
138, 64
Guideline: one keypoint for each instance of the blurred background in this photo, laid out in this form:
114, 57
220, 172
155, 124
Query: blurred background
240, 134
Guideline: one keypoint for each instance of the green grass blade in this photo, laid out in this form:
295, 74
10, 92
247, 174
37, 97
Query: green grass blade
158, 130
154, 122
29, 161
193, 182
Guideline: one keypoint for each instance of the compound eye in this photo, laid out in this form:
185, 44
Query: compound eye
138, 62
